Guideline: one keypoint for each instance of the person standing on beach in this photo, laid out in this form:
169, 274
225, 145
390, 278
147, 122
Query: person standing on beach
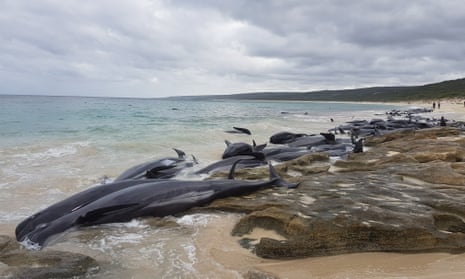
442, 122
434, 105
439, 105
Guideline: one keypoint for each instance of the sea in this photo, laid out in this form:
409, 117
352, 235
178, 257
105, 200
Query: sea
53, 147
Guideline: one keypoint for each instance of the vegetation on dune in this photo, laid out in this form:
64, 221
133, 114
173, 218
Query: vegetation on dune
450, 89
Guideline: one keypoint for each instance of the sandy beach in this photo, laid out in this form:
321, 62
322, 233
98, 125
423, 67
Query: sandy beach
217, 242
451, 109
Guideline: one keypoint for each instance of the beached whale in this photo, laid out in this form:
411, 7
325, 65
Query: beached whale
153, 198
246, 161
69, 205
241, 148
160, 169
171, 171
152, 167
285, 137
308, 141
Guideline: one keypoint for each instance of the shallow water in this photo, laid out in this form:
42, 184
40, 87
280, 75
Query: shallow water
52, 147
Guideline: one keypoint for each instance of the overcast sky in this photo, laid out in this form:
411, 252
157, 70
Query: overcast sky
151, 48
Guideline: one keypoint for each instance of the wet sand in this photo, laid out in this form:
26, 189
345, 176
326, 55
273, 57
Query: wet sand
215, 242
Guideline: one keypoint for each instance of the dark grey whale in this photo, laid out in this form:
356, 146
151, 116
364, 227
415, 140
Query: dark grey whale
172, 170
285, 137
239, 130
139, 171
246, 161
69, 205
237, 148
241, 148
308, 141
153, 198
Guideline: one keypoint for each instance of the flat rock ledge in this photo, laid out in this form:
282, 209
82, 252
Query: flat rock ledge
406, 193
19, 263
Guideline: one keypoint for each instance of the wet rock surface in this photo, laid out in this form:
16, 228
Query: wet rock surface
18, 263
405, 194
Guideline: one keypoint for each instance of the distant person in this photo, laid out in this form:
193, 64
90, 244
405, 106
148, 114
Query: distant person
434, 105
443, 121
439, 105
464, 103
358, 146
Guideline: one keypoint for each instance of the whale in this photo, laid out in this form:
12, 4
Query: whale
239, 130
237, 148
308, 141
241, 148
70, 204
285, 137
150, 199
171, 171
246, 161
139, 171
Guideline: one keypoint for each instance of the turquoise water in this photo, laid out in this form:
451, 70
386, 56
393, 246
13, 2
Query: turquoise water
25, 119
52, 147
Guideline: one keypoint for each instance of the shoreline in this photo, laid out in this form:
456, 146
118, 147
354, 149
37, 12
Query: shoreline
217, 242
215, 247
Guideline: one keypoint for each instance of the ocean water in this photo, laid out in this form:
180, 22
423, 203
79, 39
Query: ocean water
52, 147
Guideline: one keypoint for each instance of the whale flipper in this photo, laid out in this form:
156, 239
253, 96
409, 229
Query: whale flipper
243, 130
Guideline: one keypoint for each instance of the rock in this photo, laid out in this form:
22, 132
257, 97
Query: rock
308, 164
255, 274
411, 134
21, 263
8, 244
405, 194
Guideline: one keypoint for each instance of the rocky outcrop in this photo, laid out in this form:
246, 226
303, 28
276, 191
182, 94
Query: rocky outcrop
20, 263
405, 194
255, 274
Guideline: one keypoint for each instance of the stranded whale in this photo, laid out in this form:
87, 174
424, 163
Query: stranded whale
69, 205
152, 198
241, 148
152, 167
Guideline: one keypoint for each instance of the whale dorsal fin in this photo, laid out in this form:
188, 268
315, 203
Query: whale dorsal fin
233, 169
279, 181
181, 154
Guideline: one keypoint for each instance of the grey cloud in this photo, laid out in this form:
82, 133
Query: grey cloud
154, 47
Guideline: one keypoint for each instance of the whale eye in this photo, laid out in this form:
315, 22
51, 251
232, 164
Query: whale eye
42, 225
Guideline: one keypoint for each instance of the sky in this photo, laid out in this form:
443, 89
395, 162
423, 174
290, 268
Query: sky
151, 48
